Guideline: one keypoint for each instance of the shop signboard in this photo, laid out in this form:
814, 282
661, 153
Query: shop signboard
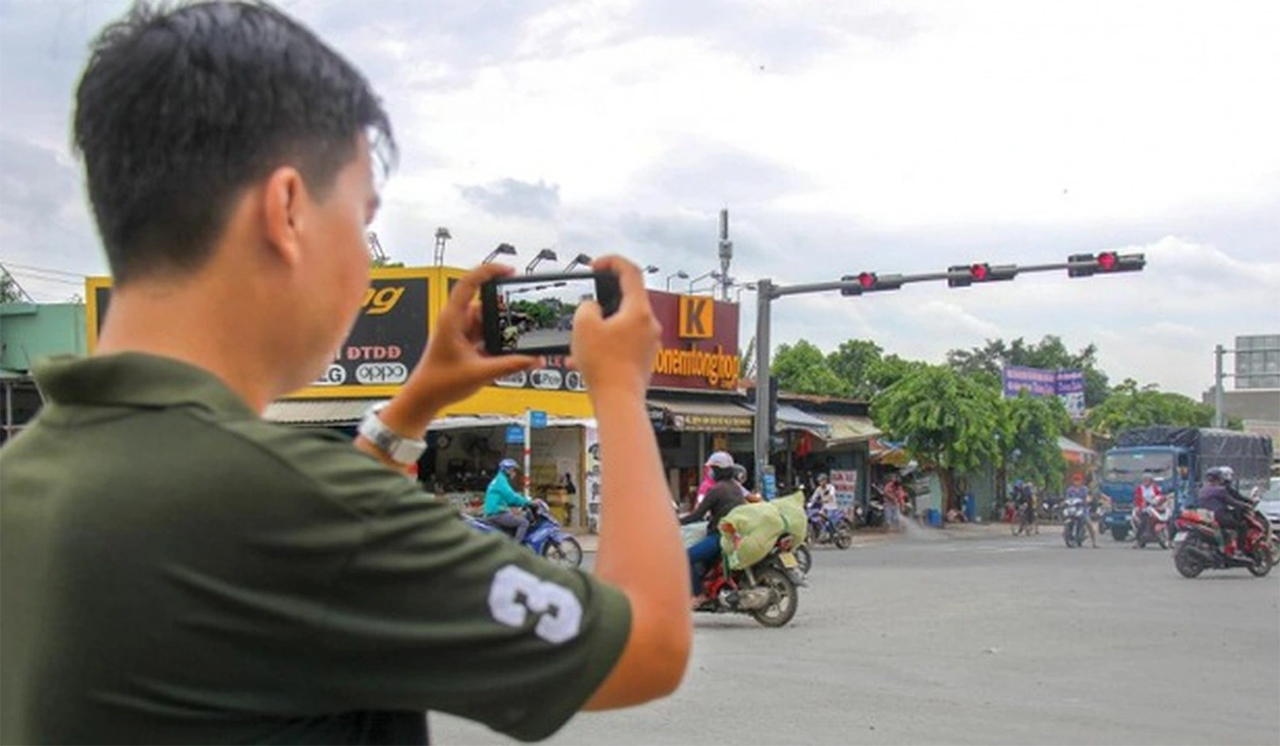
386, 342
699, 344
1065, 384
845, 481
707, 423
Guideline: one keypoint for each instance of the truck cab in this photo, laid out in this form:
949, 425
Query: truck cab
1172, 467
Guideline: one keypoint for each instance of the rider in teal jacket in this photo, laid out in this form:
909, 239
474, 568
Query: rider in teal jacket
500, 497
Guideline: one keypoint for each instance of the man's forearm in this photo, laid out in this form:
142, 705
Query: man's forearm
640, 545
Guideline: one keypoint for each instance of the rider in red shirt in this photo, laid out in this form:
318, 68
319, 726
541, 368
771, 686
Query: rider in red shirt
1146, 494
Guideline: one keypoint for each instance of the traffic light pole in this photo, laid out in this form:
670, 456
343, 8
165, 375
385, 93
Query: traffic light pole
767, 292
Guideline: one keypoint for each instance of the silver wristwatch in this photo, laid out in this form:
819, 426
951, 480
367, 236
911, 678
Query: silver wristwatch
398, 448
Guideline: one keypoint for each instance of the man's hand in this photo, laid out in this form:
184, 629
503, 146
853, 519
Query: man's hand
454, 365
617, 353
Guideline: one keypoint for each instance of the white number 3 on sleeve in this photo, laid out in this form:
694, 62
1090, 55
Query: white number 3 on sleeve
516, 593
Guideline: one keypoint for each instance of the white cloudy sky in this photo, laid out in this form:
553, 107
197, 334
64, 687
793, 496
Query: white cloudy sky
843, 136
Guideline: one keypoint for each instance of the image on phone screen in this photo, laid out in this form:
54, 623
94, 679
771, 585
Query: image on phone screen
537, 315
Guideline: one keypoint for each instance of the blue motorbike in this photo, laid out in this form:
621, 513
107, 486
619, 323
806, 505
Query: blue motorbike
831, 527
545, 536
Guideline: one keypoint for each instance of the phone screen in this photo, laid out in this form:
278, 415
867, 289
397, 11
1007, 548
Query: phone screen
534, 315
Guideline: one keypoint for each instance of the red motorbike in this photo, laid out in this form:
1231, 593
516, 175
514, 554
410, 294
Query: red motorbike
1200, 544
766, 590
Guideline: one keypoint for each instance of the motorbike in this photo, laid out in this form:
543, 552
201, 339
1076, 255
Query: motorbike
830, 528
545, 535
1151, 524
767, 590
1074, 530
1026, 520
873, 514
1200, 544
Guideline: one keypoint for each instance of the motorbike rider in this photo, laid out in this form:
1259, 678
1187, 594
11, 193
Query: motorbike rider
740, 476
500, 497
1147, 502
824, 497
1024, 499
725, 495
1078, 495
717, 460
1220, 496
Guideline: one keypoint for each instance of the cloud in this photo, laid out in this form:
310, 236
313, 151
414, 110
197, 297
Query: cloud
44, 221
514, 198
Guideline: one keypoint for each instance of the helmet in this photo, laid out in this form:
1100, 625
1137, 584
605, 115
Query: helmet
740, 472
720, 460
507, 464
1228, 474
1217, 474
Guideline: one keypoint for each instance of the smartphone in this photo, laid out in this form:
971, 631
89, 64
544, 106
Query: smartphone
533, 314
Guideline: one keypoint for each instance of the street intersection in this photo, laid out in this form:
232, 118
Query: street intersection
971, 635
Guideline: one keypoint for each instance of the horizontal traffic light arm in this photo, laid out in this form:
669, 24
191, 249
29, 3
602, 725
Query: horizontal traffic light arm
1124, 263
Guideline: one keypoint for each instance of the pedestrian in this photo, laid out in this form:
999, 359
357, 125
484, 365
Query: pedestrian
178, 570
894, 500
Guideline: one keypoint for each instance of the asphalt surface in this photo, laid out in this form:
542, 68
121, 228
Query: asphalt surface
927, 638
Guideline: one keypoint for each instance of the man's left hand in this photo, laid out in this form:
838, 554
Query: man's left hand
455, 365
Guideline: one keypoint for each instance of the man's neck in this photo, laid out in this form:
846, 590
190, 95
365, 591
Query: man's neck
194, 325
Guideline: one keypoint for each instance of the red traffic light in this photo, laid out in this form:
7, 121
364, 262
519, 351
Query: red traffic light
979, 272
1107, 261
867, 280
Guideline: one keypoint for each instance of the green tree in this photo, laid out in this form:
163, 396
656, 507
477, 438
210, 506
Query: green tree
1131, 405
543, 313
803, 369
943, 418
1030, 430
853, 362
1049, 354
887, 371
382, 262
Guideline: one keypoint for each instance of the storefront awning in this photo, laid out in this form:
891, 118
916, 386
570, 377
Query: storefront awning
1074, 452
707, 416
846, 429
792, 418
329, 412
348, 412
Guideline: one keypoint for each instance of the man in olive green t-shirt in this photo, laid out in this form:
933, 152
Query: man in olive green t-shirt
175, 569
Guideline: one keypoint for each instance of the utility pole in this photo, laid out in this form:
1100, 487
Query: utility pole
1077, 265
726, 255
1218, 352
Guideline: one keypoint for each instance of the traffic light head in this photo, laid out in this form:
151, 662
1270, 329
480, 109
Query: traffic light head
870, 282
961, 276
1108, 262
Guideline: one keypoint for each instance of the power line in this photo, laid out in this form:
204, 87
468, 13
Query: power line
47, 270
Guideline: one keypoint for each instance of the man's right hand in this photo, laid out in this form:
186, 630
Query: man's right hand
617, 352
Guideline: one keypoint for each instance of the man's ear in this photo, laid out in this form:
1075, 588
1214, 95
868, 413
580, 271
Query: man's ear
284, 199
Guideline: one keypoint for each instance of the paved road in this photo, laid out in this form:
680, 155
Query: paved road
923, 639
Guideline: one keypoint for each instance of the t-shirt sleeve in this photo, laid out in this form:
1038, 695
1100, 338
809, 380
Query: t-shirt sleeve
429, 614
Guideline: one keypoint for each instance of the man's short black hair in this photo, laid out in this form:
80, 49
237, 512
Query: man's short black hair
181, 108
